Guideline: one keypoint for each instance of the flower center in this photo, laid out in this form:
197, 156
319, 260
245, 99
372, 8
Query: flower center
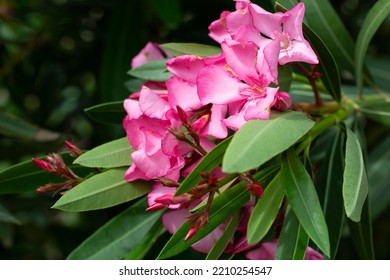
284, 39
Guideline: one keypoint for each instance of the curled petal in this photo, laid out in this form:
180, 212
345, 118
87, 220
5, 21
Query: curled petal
217, 29
152, 105
215, 126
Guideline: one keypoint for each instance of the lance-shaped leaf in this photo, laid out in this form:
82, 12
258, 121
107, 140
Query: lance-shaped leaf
376, 15
112, 154
101, 191
377, 111
265, 211
226, 237
379, 177
111, 112
355, 186
330, 185
293, 239
118, 236
223, 206
27, 176
208, 163
302, 196
260, 140
361, 234
154, 70
147, 242
177, 49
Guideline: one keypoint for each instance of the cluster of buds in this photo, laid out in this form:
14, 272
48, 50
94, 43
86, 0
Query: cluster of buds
54, 164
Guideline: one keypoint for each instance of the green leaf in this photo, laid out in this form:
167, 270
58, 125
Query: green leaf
303, 199
112, 154
208, 163
223, 207
355, 186
375, 16
111, 112
293, 239
15, 127
220, 246
328, 66
102, 191
118, 236
7, 217
260, 140
27, 176
144, 246
265, 211
361, 234
377, 111
330, 185
379, 177
154, 70
177, 49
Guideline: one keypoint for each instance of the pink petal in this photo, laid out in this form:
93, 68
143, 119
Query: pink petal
267, 251
235, 121
293, 24
217, 29
186, 67
132, 108
134, 173
299, 51
216, 127
157, 191
150, 52
152, 105
260, 108
216, 85
241, 57
312, 254
152, 166
266, 22
269, 65
183, 93
237, 19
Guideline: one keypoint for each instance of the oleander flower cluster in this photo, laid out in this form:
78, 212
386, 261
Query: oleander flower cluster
172, 125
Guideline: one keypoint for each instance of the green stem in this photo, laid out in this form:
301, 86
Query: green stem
324, 124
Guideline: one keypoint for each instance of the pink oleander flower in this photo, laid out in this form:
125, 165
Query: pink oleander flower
267, 251
286, 28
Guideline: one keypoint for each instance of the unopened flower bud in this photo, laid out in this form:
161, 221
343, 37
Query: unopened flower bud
191, 232
74, 150
168, 182
43, 164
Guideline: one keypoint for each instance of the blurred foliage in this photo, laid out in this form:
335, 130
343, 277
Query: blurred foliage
58, 57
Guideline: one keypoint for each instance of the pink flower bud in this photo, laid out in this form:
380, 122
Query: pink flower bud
168, 199
75, 151
191, 232
43, 164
